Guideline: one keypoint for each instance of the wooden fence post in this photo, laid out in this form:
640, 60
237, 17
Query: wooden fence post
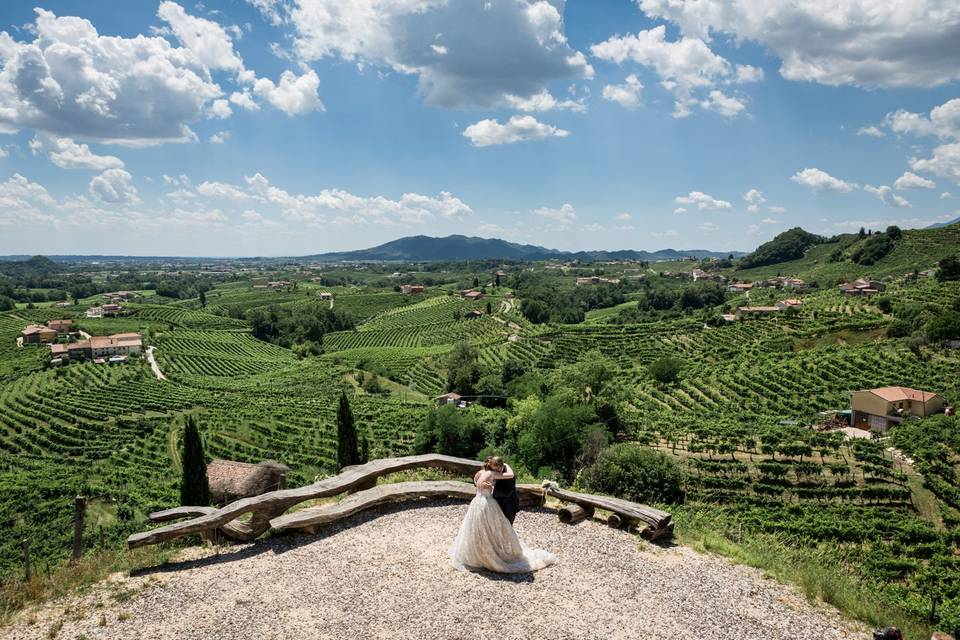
26, 560
79, 510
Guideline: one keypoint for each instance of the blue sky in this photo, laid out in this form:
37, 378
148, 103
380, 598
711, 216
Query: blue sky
288, 127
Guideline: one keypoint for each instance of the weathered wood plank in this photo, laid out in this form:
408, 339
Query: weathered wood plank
390, 494
658, 523
178, 513
574, 513
270, 505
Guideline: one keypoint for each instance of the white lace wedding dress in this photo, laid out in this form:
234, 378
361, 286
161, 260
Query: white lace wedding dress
487, 541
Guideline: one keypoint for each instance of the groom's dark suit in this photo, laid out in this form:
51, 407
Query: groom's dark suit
505, 493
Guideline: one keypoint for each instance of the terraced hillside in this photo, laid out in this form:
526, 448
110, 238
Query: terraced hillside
737, 418
918, 249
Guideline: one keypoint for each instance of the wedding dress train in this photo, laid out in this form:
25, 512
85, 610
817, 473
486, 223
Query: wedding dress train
487, 541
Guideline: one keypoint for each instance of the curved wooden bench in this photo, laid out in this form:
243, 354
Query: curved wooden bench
270, 505
657, 523
312, 518
267, 510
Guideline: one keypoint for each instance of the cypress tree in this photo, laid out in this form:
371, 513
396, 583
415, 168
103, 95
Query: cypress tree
364, 448
194, 489
347, 451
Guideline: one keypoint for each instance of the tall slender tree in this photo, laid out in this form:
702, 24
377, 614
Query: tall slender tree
194, 489
347, 446
364, 447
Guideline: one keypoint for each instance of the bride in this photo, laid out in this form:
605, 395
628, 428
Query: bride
487, 539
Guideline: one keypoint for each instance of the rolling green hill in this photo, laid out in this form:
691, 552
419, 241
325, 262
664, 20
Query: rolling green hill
917, 249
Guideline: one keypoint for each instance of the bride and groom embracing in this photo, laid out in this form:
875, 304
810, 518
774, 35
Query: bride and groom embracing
487, 539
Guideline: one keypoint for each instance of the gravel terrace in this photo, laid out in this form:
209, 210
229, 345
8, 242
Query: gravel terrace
385, 574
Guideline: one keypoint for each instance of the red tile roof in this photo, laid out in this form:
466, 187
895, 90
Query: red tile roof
29, 330
896, 394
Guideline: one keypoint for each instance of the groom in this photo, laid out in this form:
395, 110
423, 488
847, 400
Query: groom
505, 490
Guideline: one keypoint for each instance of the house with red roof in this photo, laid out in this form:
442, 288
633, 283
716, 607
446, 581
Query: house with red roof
879, 409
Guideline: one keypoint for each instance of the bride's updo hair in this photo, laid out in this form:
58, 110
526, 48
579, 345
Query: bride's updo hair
492, 463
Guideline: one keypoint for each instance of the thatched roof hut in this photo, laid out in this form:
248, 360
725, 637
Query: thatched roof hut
230, 480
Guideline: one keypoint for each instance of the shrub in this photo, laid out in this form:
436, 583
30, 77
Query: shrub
945, 326
451, 431
666, 370
899, 329
948, 269
635, 473
551, 433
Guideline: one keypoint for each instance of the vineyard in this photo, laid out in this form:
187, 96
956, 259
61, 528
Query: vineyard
737, 418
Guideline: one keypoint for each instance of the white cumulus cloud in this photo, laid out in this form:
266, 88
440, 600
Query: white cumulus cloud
114, 186
703, 201
886, 195
945, 161
544, 101
67, 154
490, 132
684, 66
910, 180
860, 42
822, 181
207, 40
486, 40
294, 95
563, 216
870, 131
627, 95
754, 199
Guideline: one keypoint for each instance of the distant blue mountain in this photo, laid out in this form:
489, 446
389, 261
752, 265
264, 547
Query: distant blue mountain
458, 247
412, 249
938, 225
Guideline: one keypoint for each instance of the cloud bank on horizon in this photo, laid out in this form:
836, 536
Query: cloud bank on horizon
300, 126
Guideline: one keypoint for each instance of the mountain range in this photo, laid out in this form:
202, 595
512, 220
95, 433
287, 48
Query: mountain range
458, 247
426, 249
938, 225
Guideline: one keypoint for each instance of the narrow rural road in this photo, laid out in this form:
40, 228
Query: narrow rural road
83, 334
153, 364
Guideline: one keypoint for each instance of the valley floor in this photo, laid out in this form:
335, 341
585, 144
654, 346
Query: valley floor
385, 574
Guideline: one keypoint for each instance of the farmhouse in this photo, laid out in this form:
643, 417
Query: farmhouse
470, 294
861, 287
407, 289
700, 274
448, 398
326, 295
795, 283
119, 344
37, 334
791, 303
738, 287
230, 480
106, 310
120, 296
60, 326
878, 409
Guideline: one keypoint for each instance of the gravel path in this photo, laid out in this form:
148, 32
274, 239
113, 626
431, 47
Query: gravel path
154, 365
385, 574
